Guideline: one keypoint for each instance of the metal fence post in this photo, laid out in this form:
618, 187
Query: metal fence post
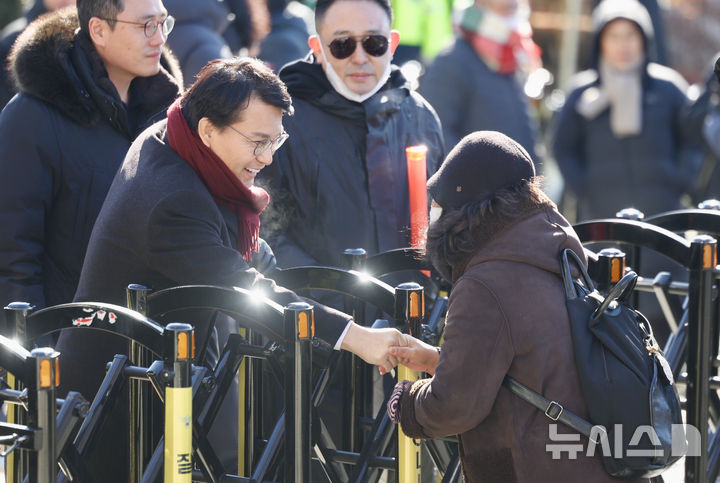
178, 353
610, 268
16, 315
140, 396
299, 331
634, 257
41, 414
702, 264
358, 378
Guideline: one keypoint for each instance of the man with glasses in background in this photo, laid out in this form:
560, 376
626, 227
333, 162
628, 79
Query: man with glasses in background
341, 179
89, 81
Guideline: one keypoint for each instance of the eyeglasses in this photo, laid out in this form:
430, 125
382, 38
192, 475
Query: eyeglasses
343, 47
151, 26
265, 144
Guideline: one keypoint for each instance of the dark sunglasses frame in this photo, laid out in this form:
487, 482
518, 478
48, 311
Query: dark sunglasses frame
375, 45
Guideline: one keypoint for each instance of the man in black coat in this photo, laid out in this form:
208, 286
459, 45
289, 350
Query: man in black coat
175, 217
84, 96
341, 179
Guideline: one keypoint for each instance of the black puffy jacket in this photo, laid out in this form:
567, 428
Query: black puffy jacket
61, 141
340, 181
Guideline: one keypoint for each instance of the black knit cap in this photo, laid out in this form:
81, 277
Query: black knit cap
482, 163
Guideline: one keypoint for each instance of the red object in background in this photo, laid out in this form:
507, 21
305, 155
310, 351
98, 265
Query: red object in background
417, 179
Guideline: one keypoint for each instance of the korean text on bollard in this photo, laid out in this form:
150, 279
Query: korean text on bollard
140, 396
702, 276
16, 315
178, 353
41, 414
299, 331
409, 310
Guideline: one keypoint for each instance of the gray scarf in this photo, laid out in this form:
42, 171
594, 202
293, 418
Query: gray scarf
621, 90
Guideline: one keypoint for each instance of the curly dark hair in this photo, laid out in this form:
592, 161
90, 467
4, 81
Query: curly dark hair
459, 233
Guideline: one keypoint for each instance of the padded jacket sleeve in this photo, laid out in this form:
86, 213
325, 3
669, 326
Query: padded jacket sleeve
187, 247
29, 165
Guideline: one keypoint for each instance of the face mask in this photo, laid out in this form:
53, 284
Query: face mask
344, 90
435, 211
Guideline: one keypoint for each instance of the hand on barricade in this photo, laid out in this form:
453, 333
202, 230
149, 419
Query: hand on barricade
373, 345
416, 355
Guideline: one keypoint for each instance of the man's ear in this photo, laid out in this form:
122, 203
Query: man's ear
205, 130
394, 40
98, 30
314, 44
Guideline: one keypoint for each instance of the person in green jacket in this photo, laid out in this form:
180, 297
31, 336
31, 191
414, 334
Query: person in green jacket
425, 27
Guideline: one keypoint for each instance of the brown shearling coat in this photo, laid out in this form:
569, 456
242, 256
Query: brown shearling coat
507, 315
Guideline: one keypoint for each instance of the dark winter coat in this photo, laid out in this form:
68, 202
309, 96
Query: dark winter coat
469, 96
507, 316
340, 181
197, 36
62, 140
8, 35
649, 171
160, 227
173, 234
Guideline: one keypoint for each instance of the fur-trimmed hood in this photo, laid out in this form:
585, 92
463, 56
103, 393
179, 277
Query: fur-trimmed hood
52, 60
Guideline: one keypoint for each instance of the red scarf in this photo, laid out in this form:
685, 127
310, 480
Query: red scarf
504, 57
225, 188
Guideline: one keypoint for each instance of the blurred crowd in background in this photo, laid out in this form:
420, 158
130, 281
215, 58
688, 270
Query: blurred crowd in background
557, 38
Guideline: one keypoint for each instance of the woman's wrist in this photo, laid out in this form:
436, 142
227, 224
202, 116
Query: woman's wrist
434, 360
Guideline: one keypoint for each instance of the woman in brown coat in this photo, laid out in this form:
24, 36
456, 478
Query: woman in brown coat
499, 240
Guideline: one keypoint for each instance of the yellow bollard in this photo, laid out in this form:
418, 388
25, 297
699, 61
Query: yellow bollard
409, 458
409, 310
179, 351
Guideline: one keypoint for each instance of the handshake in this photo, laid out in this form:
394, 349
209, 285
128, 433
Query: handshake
386, 348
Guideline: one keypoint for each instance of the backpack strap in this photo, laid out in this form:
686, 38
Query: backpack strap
570, 291
620, 291
552, 409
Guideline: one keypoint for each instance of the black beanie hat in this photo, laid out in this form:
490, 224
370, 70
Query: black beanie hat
482, 163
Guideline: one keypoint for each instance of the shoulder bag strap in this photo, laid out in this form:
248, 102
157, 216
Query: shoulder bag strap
552, 409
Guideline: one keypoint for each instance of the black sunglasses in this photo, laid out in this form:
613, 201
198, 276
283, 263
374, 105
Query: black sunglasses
343, 47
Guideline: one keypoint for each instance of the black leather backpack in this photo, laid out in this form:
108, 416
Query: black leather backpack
627, 383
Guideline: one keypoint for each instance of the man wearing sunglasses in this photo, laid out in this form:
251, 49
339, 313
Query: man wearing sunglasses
341, 179
89, 80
